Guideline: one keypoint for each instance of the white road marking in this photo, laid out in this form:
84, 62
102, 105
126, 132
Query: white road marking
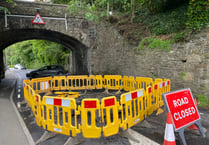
18, 105
18, 96
142, 139
201, 113
18, 90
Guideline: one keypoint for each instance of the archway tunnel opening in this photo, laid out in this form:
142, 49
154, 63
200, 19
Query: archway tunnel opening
76, 51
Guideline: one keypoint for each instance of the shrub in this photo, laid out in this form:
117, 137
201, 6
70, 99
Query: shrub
168, 22
202, 100
155, 43
198, 12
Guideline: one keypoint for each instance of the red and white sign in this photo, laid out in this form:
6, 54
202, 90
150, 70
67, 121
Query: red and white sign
58, 102
133, 95
182, 107
38, 19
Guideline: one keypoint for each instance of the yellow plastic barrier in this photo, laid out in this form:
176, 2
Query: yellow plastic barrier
77, 82
132, 83
110, 118
91, 82
167, 85
143, 83
60, 115
131, 104
149, 100
99, 82
112, 82
59, 83
90, 112
125, 83
41, 85
26, 91
156, 97
37, 109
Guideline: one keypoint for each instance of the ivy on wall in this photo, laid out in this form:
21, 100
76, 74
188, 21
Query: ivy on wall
198, 12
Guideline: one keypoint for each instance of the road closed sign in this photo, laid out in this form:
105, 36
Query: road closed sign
182, 107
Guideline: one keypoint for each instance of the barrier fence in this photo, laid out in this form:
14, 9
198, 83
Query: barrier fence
93, 117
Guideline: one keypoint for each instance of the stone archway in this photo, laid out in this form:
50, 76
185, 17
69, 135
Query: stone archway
79, 50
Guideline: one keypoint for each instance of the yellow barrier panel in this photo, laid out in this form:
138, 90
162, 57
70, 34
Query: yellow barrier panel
125, 83
37, 109
41, 85
59, 83
91, 82
30, 101
26, 91
60, 115
77, 82
110, 118
31, 97
158, 80
99, 82
143, 83
167, 85
112, 82
156, 97
131, 83
131, 108
149, 100
90, 112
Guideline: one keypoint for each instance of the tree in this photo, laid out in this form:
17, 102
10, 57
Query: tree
4, 8
35, 53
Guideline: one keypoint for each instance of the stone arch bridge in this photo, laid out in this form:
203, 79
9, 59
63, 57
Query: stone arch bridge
74, 33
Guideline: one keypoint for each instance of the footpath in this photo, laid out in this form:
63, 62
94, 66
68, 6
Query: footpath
12, 128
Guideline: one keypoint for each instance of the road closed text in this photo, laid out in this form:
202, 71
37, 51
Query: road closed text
184, 113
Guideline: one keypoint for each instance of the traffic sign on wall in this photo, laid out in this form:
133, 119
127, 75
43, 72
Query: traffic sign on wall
38, 19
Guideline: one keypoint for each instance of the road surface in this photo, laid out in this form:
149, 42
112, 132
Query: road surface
152, 128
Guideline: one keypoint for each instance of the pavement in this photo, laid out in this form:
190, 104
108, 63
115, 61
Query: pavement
13, 130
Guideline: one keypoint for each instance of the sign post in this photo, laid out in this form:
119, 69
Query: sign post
183, 110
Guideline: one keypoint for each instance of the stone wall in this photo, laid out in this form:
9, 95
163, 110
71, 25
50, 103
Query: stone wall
186, 64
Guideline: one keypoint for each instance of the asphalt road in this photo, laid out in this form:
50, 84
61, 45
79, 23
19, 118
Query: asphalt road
153, 127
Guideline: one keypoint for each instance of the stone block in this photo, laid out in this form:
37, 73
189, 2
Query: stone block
194, 58
189, 76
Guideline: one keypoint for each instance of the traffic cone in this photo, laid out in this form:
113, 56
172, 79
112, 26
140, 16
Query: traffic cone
169, 138
193, 126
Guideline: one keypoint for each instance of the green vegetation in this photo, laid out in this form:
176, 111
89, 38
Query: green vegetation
36, 53
161, 17
4, 8
183, 75
152, 43
198, 13
168, 22
202, 100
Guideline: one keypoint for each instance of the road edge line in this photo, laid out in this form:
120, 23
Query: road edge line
22, 123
